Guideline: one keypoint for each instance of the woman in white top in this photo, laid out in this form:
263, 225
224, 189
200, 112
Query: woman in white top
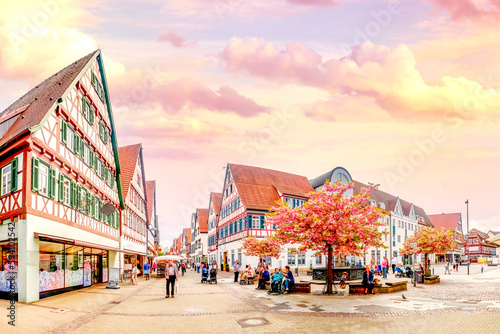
134, 274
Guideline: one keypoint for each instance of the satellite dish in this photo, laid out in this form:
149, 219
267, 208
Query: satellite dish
108, 209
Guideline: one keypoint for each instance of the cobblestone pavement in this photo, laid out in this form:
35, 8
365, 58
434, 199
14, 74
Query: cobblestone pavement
459, 304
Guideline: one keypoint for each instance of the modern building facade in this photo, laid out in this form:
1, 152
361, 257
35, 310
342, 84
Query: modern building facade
59, 167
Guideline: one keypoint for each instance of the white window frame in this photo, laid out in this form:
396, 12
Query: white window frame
6, 179
43, 179
66, 190
86, 154
70, 139
255, 222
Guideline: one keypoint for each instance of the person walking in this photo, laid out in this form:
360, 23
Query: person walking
134, 275
393, 262
385, 263
171, 274
236, 269
447, 268
147, 270
154, 267
183, 268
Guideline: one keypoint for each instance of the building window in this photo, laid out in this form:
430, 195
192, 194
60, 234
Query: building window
301, 258
291, 257
86, 154
6, 179
70, 139
319, 259
66, 186
399, 238
43, 172
255, 222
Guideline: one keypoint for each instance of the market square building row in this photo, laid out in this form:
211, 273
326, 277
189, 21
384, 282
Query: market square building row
248, 194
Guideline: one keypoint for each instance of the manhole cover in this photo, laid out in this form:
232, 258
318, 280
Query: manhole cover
195, 310
253, 322
469, 310
61, 310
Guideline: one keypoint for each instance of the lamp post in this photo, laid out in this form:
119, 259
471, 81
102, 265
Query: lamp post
467, 239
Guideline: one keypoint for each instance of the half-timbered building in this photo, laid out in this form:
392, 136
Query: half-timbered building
153, 235
59, 166
134, 219
476, 246
248, 194
213, 220
450, 222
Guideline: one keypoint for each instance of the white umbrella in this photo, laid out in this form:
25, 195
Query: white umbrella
168, 257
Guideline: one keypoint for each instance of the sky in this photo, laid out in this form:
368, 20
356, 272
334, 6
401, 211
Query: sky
405, 94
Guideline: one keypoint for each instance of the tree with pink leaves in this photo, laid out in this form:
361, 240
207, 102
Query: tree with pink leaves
429, 240
262, 247
331, 223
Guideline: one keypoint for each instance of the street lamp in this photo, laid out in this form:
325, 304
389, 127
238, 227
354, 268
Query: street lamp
467, 239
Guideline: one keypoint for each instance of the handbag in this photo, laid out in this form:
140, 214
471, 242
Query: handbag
260, 276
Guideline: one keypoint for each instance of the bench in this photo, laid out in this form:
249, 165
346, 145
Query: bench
301, 287
433, 279
359, 289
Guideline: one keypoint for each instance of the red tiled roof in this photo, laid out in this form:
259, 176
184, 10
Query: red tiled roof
128, 160
202, 215
150, 195
188, 234
390, 202
448, 221
216, 202
39, 100
258, 187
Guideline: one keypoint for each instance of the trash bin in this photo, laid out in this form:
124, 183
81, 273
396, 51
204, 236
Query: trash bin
420, 276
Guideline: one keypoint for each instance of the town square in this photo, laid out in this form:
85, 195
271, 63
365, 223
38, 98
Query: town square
301, 166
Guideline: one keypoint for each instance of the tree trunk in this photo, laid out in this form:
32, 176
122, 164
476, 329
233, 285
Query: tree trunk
329, 272
425, 262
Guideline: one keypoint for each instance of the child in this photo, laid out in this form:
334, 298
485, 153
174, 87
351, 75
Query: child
482, 269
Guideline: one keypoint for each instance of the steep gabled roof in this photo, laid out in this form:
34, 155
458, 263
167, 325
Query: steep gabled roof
33, 106
128, 160
202, 215
390, 202
216, 202
448, 221
150, 190
258, 187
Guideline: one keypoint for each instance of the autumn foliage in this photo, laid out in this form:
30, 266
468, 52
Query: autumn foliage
429, 241
261, 247
330, 223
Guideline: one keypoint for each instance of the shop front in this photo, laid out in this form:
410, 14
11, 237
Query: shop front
8, 269
65, 267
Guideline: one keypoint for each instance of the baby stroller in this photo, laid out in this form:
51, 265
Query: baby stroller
409, 272
213, 276
204, 275
399, 272
276, 287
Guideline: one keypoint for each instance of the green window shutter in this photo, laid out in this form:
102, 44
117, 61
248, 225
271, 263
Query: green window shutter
61, 187
34, 173
102, 169
92, 116
76, 144
100, 213
73, 194
64, 131
112, 183
101, 129
106, 135
13, 175
92, 207
78, 196
82, 148
91, 158
84, 107
52, 183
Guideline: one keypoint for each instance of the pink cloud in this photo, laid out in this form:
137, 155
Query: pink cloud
175, 40
295, 63
386, 74
185, 93
477, 10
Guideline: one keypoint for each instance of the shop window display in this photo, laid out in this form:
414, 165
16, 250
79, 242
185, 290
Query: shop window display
8, 268
73, 272
51, 274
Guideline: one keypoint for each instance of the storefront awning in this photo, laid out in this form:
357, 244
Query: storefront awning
52, 238
130, 251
